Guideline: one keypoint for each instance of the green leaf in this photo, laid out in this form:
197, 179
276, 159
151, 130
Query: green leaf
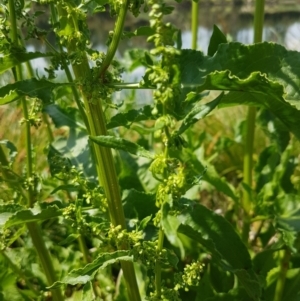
138, 204
241, 60
219, 238
13, 59
197, 113
122, 144
8, 219
263, 262
170, 223
126, 119
256, 90
216, 39
217, 234
41, 89
126, 169
64, 117
69, 239
12, 149
222, 281
274, 129
67, 187
9, 208
211, 175
88, 293
268, 65
86, 274
287, 227
73, 150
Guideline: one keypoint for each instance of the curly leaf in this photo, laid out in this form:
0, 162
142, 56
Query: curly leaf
278, 91
8, 219
255, 90
86, 274
279, 65
122, 144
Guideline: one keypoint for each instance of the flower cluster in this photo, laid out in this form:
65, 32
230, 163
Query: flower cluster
190, 277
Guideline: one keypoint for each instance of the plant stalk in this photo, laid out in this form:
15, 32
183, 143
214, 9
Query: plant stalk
250, 125
33, 228
284, 266
103, 156
195, 13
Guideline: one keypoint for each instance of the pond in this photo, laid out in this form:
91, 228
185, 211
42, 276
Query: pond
236, 21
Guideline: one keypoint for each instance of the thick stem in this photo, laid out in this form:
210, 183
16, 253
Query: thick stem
249, 138
284, 266
33, 228
103, 156
195, 13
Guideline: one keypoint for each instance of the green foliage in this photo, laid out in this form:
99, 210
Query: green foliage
160, 218
15, 58
87, 273
122, 144
33, 88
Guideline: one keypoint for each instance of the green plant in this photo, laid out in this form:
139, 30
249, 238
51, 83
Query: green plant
138, 222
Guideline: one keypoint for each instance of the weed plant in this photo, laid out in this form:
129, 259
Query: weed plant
111, 198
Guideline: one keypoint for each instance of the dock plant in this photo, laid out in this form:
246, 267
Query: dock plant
125, 200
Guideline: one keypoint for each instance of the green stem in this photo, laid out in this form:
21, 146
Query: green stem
160, 244
115, 39
284, 266
195, 13
103, 156
33, 228
249, 138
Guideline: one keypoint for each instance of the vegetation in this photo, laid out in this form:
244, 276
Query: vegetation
125, 200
